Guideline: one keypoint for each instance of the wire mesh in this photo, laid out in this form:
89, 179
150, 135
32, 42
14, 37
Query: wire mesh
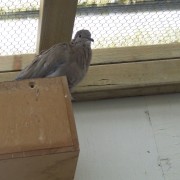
113, 23
18, 26
122, 23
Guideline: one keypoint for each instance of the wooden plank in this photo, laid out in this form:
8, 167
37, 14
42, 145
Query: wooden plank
72, 124
130, 75
52, 128
103, 56
125, 79
127, 92
134, 54
56, 22
15, 62
129, 79
37, 130
8, 76
54, 166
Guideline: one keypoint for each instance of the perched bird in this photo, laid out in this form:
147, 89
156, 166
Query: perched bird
64, 59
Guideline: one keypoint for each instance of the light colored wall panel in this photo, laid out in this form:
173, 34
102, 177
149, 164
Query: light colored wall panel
164, 112
116, 141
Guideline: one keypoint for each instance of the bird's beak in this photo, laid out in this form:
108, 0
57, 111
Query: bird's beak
90, 39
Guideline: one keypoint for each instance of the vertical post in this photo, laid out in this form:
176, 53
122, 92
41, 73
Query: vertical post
56, 22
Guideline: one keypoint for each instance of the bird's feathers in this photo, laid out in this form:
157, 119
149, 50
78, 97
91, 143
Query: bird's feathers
45, 63
63, 59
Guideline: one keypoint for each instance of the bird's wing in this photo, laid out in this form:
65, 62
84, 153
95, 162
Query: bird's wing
47, 62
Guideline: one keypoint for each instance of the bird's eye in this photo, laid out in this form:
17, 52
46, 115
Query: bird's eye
80, 36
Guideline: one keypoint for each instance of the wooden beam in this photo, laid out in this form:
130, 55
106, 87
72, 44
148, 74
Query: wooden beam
130, 75
104, 56
56, 22
130, 79
125, 79
136, 53
129, 92
15, 62
8, 76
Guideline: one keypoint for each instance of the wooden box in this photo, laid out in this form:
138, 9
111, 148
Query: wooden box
38, 139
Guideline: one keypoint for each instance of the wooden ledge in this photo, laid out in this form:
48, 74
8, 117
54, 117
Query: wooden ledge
130, 79
125, 79
104, 56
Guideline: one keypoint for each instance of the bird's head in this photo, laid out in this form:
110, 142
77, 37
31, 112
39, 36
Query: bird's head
83, 36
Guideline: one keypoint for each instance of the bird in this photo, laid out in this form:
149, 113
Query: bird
63, 59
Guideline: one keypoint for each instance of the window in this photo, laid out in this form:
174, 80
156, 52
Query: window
136, 49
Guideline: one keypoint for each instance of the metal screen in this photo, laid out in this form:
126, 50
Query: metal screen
18, 26
113, 23
121, 23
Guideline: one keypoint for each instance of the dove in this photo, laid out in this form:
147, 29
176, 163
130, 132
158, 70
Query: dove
64, 59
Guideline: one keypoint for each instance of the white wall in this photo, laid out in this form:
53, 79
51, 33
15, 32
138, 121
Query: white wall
129, 138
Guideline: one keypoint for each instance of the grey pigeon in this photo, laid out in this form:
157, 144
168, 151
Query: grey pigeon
64, 59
